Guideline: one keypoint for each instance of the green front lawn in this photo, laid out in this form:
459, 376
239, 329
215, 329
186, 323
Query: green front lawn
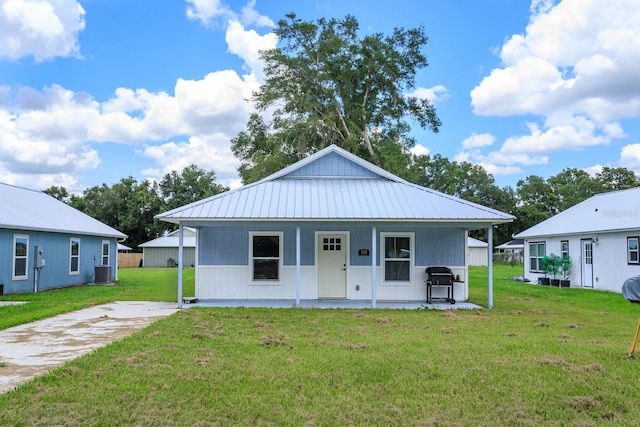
542, 356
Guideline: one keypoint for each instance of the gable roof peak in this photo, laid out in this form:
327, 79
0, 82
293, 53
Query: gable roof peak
339, 151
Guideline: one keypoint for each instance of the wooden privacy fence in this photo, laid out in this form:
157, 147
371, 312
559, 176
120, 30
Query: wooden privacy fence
129, 259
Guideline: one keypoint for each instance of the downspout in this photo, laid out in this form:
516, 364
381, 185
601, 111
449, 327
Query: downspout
490, 263
180, 248
297, 266
373, 267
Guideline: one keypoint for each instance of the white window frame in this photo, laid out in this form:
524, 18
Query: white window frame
280, 236
15, 257
108, 255
72, 256
564, 253
538, 257
384, 256
636, 250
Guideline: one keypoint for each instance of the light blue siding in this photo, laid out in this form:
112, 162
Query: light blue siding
229, 244
56, 252
333, 165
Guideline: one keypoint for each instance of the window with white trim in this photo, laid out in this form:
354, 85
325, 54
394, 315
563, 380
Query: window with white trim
266, 255
106, 247
74, 255
398, 256
632, 250
564, 249
537, 251
20, 264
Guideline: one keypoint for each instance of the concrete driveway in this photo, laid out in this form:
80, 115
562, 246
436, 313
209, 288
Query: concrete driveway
34, 348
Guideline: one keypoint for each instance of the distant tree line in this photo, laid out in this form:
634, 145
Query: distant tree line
325, 84
130, 206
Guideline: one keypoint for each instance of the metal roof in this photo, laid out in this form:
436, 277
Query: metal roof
25, 209
614, 211
171, 240
512, 244
286, 196
475, 243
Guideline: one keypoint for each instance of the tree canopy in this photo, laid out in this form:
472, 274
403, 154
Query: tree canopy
328, 84
130, 206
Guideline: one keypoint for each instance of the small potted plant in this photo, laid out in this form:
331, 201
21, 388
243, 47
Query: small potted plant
547, 267
566, 271
555, 268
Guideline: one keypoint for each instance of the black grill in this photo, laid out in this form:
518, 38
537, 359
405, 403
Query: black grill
440, 276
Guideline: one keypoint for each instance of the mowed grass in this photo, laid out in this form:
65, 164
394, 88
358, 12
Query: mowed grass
134, 284
541, 356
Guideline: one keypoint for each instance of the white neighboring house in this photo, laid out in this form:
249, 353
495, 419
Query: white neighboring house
601, 235
510, 251
476, 252
163, 251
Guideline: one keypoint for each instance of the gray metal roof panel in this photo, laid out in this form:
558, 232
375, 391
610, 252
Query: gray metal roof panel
614, 211
352, 194
171, 241
349, 199
34, 210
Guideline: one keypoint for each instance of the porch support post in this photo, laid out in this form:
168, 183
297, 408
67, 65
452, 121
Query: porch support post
373, 266
297, 266
180, 250
490, 263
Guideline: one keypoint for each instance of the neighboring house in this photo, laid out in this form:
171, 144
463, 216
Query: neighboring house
163, 251
123, 248
477, 252
45, 243
601, 236
331, 226
511, 251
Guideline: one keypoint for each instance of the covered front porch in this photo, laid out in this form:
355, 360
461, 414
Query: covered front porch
331, 304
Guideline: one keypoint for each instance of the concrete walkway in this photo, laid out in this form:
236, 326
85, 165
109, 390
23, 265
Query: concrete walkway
34, 348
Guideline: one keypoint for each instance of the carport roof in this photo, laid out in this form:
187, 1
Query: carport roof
344, 188
24, 209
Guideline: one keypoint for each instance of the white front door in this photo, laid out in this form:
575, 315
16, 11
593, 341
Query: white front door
332, 265
587, 263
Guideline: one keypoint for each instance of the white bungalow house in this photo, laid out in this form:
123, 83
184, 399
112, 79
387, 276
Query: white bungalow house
331, 226
163, 251
601, 236
46, 244
510, 251
477, 252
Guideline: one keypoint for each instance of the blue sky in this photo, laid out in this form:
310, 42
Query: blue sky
92, 91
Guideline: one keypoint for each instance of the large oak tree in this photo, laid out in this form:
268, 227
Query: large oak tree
326, 83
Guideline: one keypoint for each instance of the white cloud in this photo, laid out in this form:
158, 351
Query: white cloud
56, 132
478, 140
630, 157
576, 57
419, 150
209, 153
433, 94
561, 135
44, 29
207, 11
574, 68
248, 44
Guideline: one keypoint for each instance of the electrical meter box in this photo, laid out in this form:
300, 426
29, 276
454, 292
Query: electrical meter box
39, 259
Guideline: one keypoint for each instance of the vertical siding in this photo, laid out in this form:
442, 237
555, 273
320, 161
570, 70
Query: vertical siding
224, 272
229, 245
332, 165
56, 253
158, 257
610, 268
